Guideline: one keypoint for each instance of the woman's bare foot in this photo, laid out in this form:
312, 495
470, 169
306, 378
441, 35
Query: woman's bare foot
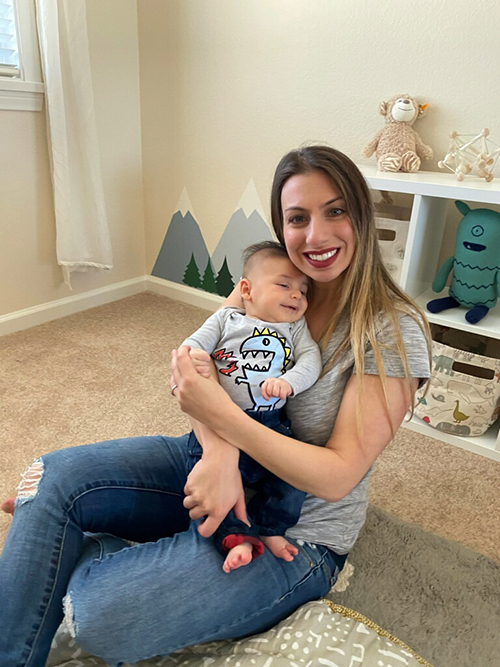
280, 547
238, 556
8, 506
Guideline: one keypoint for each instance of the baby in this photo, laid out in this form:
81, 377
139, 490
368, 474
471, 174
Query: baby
262, 355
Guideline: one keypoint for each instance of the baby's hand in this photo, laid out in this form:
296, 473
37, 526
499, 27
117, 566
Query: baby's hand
275, 387
201, 360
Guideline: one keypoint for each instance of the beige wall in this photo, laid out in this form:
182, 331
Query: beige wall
29, 274
160, 90
228, 86
225, 88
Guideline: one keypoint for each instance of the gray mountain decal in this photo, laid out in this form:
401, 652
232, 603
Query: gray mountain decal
183, 241
239, 233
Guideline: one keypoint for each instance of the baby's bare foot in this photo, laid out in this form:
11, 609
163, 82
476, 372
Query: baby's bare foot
238, 556
8, 506
280, 547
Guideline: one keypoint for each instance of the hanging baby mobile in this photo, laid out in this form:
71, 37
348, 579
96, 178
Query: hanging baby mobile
471, 154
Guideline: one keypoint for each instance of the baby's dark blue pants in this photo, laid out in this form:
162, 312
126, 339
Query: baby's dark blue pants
274, 505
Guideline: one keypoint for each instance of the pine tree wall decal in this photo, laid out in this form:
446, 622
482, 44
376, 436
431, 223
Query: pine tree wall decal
208, 282
224, 282
192, 274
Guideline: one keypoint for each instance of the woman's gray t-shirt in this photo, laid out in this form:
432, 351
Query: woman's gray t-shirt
313, 414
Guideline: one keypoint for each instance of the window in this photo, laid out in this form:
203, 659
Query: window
21, 86
9, 54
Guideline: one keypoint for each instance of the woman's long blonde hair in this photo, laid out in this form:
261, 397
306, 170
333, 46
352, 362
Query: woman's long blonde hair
367, 291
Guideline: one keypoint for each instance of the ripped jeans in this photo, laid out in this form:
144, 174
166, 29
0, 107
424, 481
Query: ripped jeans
67, 549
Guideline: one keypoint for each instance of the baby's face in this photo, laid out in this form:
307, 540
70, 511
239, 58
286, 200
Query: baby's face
278, 291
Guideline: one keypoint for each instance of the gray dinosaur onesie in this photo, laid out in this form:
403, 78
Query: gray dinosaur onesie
247, 351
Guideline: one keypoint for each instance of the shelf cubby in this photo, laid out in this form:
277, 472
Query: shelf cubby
432, 194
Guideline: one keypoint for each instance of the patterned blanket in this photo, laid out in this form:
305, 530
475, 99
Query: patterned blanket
319, 633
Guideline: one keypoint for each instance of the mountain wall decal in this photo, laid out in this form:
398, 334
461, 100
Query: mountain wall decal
182, 240
241, 231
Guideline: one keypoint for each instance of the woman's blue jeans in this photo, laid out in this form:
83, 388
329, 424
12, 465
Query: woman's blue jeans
127, 603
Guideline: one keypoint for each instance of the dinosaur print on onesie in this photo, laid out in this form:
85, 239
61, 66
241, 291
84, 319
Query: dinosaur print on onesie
248, 351
265, 355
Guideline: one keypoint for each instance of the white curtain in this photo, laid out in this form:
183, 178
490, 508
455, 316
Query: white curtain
83, 241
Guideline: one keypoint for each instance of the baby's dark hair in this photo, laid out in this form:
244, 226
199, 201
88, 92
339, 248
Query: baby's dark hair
263, 249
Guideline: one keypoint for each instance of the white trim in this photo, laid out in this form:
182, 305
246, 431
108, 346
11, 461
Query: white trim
25, 93
16, 85
190, 295
20, 100
53, 310
27, 41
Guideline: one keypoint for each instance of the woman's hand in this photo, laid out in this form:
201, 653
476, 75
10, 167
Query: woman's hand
214, 485
199, 397
213, 488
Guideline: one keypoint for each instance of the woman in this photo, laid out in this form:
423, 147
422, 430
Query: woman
129, 603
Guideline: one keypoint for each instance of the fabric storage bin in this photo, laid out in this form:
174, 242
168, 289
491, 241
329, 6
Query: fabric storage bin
392, 235
392, 222
464, 393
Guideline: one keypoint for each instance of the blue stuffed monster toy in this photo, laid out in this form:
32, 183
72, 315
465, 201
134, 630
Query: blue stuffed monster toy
476, 265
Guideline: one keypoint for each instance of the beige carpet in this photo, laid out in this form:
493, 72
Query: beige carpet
104, 374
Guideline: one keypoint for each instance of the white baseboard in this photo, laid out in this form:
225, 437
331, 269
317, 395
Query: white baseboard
53, 310
45, 312
194, 297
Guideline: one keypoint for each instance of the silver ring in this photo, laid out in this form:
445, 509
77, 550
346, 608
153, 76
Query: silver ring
173, 388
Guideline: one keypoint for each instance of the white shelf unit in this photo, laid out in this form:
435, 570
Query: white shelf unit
432, 192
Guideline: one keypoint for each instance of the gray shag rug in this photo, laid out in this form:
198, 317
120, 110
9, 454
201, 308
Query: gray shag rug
438, 596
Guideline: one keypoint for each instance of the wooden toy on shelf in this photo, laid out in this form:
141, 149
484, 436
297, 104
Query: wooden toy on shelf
471, 153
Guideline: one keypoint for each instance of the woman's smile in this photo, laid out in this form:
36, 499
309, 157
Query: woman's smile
322, 259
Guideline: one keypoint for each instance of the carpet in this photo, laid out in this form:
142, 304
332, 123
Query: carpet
438, 596
104, 374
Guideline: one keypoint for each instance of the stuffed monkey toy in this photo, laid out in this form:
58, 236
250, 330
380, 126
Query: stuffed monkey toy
397, 146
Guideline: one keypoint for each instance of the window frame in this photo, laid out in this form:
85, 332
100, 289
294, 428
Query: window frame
25, 93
